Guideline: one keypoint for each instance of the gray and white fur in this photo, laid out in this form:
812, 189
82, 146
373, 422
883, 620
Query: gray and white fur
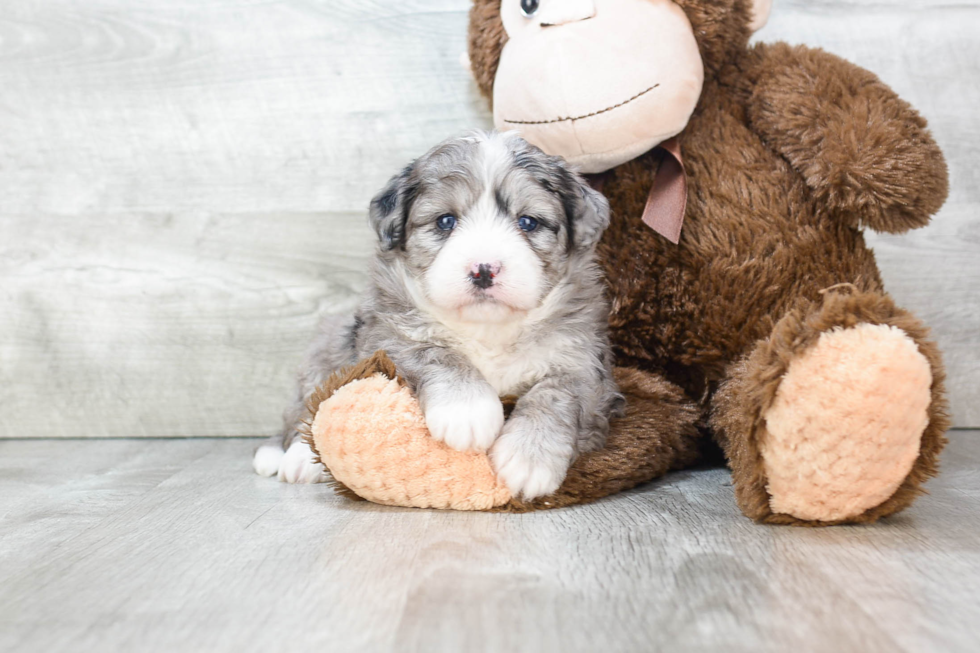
484, 284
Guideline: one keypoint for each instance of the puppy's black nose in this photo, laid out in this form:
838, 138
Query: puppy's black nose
482, 275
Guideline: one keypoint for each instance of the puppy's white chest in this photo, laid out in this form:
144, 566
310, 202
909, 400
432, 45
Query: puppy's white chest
506, 367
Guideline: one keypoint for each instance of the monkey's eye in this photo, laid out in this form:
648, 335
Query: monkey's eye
527, 223
446, 222
529, 7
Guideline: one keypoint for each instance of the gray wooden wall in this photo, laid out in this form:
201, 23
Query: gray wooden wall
184, 185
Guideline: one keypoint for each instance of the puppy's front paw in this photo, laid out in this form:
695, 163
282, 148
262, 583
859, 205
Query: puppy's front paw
525, 465
466, 421
300, 465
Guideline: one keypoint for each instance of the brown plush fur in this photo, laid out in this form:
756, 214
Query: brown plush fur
789, 153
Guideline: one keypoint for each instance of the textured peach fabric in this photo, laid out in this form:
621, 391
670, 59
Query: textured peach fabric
371, 435
844, 429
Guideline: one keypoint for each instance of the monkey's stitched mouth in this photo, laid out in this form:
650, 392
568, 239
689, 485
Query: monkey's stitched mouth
583, 117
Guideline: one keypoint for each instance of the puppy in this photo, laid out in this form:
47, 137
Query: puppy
484, 285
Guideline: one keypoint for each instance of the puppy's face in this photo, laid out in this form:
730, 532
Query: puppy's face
486, 225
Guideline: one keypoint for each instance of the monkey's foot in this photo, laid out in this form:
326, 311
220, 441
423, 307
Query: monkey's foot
845, 427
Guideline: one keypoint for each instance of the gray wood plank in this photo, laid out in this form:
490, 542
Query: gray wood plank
223, 106
163, 545
185, 184
165, 325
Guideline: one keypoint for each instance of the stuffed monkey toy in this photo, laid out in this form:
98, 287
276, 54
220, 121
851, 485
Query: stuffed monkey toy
748, 312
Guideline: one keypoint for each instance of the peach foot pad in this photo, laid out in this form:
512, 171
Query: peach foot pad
371, 435
845, 427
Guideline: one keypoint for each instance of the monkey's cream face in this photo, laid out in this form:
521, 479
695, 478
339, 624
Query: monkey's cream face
598, 82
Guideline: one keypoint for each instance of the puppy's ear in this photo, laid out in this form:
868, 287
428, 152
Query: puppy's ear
390, 208
586, 209
589, 215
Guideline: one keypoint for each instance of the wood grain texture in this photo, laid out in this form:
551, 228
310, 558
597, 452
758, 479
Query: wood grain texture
185, 183
165, 325
223, 105
174, 545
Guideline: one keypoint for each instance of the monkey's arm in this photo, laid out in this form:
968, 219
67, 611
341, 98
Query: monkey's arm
864, 152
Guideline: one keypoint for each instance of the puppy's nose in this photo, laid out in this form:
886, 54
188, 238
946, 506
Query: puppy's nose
482, 274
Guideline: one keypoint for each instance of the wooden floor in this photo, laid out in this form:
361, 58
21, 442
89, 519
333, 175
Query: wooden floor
175, 545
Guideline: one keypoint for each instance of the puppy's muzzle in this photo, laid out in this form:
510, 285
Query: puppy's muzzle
482, 274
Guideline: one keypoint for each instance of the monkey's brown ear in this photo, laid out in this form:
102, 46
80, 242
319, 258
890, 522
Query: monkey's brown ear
486, 41
760, 14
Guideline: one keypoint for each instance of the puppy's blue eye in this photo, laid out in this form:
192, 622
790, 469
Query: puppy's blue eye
526, 223
529, 7
446, 222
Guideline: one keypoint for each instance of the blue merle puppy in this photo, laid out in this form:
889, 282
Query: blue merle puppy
484, 284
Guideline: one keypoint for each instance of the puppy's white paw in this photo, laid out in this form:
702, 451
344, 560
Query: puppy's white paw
528, 470
470, 421
267, 459
300, 465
